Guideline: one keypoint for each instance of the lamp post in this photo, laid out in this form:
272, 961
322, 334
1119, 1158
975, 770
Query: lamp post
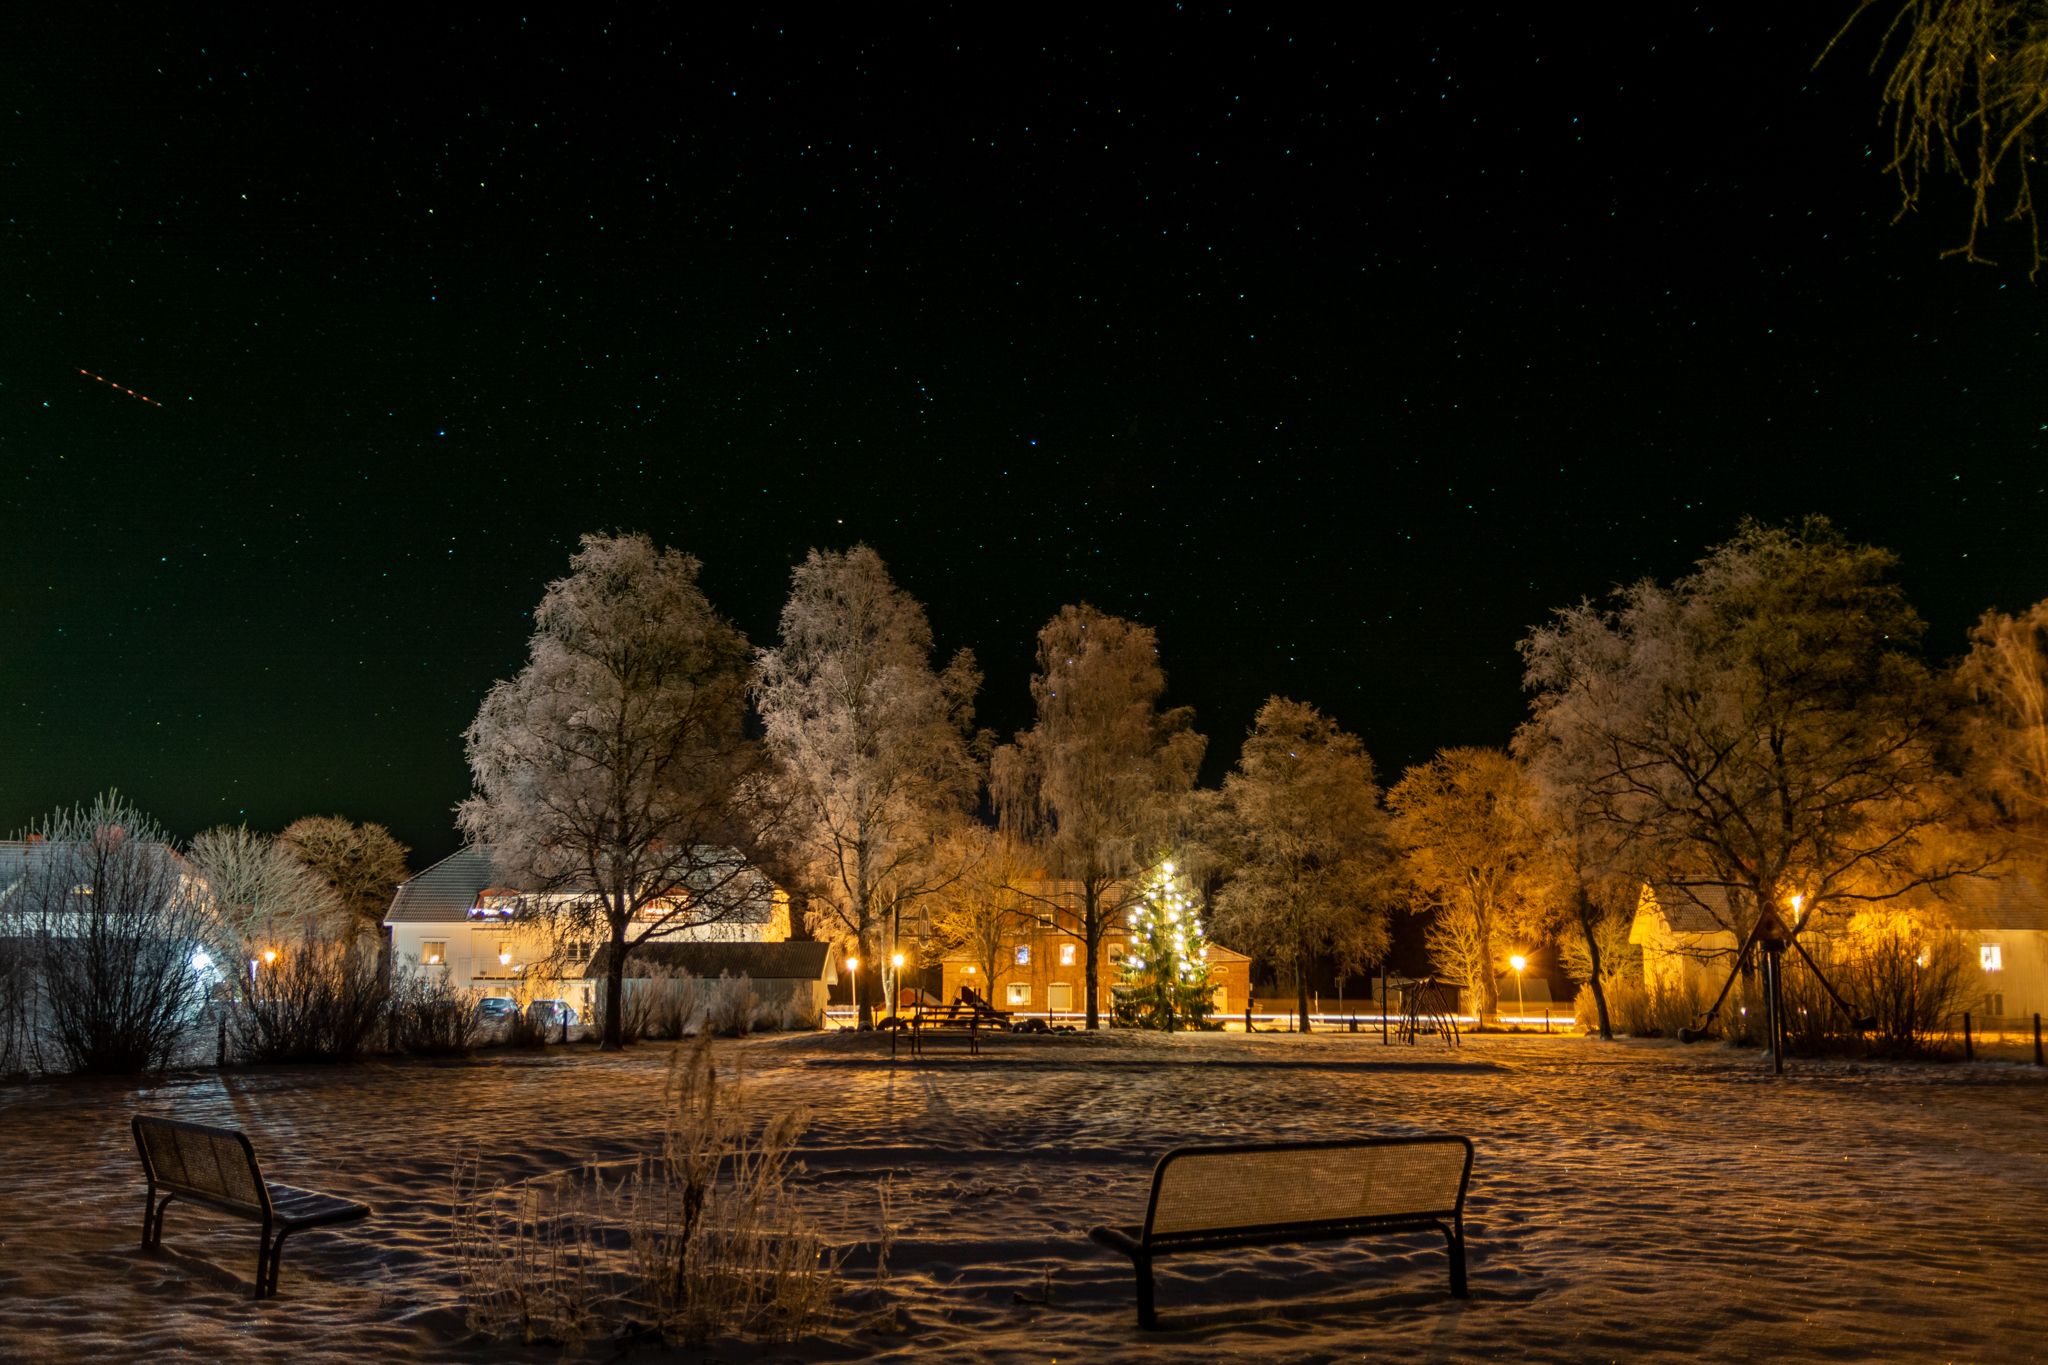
895, 984
853, 970
1518, 962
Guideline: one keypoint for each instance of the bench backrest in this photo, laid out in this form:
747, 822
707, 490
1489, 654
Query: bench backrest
1300, 1184
214, 1164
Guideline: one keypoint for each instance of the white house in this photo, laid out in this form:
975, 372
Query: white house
1687, 940
461, 918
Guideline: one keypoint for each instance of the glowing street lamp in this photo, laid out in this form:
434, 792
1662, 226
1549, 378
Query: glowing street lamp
853, 970
1519, 963
270, 957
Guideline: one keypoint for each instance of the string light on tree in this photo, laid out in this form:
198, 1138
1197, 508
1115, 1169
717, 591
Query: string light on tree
1166, 965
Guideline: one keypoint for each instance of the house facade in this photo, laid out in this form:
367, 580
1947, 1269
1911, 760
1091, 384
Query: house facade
1043, 970
2002, 921
461, 918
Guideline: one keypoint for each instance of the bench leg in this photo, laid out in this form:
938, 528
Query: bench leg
153, 1218
1454, 1244
269, 1252
1146, 1316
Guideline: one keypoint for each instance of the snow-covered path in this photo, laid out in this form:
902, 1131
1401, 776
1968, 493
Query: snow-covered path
1628, 1202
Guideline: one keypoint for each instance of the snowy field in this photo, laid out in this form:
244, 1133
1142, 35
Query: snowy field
1628, 1202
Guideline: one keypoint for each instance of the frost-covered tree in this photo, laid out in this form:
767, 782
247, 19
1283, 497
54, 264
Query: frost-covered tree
1588, 877
363, 864
982, 915
1311, 846
258, 890
1762, 726
871, 748
1470, 855
1094, 782
2006, 675
615, 768
118, 936
1967, 98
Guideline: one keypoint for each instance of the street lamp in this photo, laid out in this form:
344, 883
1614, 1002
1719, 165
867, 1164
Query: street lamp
1518, 962
895, 983
853, 969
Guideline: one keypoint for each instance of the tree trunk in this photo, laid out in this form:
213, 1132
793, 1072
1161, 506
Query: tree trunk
1301, 988
1593, 962
1486, 992
1091, 939
614, 990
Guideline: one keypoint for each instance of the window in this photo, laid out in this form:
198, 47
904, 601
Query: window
1992, 956
1020, 991
1059, 997
1994, 1005
1066, 954
1023, 957
433, 952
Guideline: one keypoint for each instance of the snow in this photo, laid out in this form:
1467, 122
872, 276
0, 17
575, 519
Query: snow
1629, 1201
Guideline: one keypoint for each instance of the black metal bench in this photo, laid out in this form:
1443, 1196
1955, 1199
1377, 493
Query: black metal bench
217, 1167
1280, 1194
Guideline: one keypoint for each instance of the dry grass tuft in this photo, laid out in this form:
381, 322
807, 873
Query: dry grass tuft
698, 1243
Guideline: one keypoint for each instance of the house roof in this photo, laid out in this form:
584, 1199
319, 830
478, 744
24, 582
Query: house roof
757, 961
2008, 902
445, 892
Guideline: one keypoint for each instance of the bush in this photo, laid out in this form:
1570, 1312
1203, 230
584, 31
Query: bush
1640, 1012
113, 942
700, 1243
430, 1018
318, 1001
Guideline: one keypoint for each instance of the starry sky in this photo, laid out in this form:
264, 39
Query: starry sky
1339, 356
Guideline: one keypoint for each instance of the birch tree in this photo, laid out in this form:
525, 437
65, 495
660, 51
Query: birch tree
1762, 726
1093, 783
871, 747
1311, 844
1469, 854
613, 773
258, 891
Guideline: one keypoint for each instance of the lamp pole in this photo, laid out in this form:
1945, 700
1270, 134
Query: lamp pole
853, 970
1518, 962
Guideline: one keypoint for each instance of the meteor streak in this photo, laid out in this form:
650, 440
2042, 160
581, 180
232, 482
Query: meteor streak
121, 388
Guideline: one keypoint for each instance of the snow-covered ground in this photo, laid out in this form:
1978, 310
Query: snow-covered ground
1628, 1201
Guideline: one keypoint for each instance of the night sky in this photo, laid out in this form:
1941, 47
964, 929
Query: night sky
1338, 357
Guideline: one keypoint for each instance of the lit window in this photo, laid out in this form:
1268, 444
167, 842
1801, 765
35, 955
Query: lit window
1020, 992
1023, 956
1992, 956
1066, 954
433, 953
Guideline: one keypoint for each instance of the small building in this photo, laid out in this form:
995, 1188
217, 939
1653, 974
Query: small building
1689, 942
465, 920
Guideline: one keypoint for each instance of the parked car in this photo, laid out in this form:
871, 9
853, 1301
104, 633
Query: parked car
551, 1013
496, 1009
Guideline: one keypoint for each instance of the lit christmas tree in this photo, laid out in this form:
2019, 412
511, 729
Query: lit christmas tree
1166, 963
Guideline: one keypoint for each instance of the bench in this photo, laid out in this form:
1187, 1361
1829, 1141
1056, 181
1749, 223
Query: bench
1280, 1194
216, 1167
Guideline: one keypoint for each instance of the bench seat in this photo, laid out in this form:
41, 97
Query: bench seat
216, 1168
1284, 1194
